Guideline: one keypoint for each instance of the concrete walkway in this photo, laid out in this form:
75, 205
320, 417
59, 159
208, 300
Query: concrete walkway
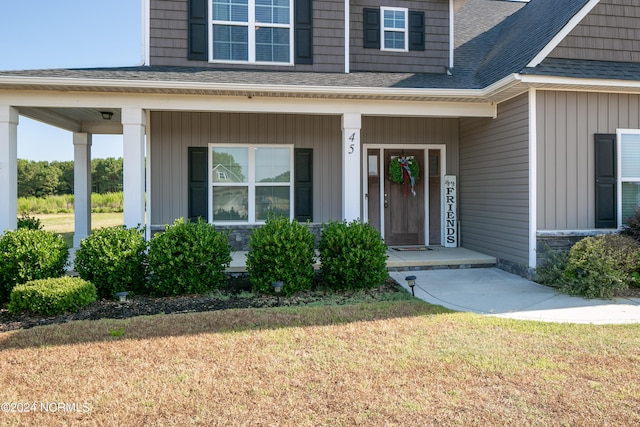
494, 292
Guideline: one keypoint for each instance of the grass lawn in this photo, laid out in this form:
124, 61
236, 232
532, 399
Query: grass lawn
385, 363
64, 223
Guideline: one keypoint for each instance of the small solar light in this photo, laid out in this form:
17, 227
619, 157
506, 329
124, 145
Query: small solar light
411, 281
277, 287
122, 296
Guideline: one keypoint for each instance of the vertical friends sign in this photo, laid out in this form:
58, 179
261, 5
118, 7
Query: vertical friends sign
450, 212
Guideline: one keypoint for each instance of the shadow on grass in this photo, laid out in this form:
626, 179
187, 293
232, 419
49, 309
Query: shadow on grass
222, 321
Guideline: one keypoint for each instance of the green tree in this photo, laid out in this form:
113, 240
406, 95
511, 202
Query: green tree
65, 185
106, 175
37, 179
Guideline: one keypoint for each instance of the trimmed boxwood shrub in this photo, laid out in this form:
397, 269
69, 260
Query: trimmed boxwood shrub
114, 259
353, 256
188, 258
599, 266
29, 255
52, 296
281, 250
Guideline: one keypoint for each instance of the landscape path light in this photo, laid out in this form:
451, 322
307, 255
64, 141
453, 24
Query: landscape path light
122, 296
411, 281
277, 287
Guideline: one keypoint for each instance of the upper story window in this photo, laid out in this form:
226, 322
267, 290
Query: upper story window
252, 31
394, 29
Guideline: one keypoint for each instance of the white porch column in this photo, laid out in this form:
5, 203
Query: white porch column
8, 168
351, 165
133, 128
81, 186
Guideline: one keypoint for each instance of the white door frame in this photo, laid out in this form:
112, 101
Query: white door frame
424, 173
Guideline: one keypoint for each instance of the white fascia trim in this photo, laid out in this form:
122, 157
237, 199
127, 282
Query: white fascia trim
574, 81
555, 41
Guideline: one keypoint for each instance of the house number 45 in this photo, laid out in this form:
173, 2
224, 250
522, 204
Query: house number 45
352, 138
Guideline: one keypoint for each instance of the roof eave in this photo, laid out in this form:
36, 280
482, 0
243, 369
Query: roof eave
159, 86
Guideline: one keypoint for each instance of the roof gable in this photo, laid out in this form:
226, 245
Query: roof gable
527, 34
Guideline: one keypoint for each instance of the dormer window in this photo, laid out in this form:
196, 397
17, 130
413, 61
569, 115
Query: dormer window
252, 31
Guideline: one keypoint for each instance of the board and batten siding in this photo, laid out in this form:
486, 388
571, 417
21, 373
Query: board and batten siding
493, 183
171, 133
168, 38
567, 123
610, 32
413, 130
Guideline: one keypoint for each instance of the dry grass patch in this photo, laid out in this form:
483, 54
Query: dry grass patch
387, 363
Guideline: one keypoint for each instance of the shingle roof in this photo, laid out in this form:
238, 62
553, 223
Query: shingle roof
586, 69
519, 38
255, 77
494, 39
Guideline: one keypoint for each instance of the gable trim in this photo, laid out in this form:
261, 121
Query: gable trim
555, 41
576, 83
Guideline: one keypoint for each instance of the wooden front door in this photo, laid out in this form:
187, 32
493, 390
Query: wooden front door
404, 212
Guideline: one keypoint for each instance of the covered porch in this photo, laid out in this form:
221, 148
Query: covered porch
407, 258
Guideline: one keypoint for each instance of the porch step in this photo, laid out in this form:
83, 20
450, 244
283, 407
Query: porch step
436, 257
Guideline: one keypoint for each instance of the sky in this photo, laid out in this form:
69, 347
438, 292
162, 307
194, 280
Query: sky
37, 34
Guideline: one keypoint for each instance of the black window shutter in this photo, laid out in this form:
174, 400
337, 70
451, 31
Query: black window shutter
371, 26
198, 183
606, 181
416, 30
197, 26
303, 30
303, 184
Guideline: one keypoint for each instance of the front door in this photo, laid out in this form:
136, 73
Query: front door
403, 203
399, 210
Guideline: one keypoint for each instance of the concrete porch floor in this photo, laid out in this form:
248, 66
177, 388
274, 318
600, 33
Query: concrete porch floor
436, 257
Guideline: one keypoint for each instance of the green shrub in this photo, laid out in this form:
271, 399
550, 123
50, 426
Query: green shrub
281, 250
114, 259
600, 266
29, 222
553, 263
632, 226
353, 256
188, 258
52, 296
29, 255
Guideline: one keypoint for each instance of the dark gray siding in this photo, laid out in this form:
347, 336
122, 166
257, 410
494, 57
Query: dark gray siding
168, 40
432, 60
413, 130
493, 183
611, 32
173, 132
567, 122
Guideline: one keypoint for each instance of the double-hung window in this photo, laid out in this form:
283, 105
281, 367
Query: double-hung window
394, 29
252, 31
259, 182
629, 173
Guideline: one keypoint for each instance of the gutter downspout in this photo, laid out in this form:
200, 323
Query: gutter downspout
347, 7
451, 34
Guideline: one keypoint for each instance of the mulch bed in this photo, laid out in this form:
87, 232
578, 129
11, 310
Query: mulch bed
144, 305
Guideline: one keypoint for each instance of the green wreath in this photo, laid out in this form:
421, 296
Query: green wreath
395, 170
